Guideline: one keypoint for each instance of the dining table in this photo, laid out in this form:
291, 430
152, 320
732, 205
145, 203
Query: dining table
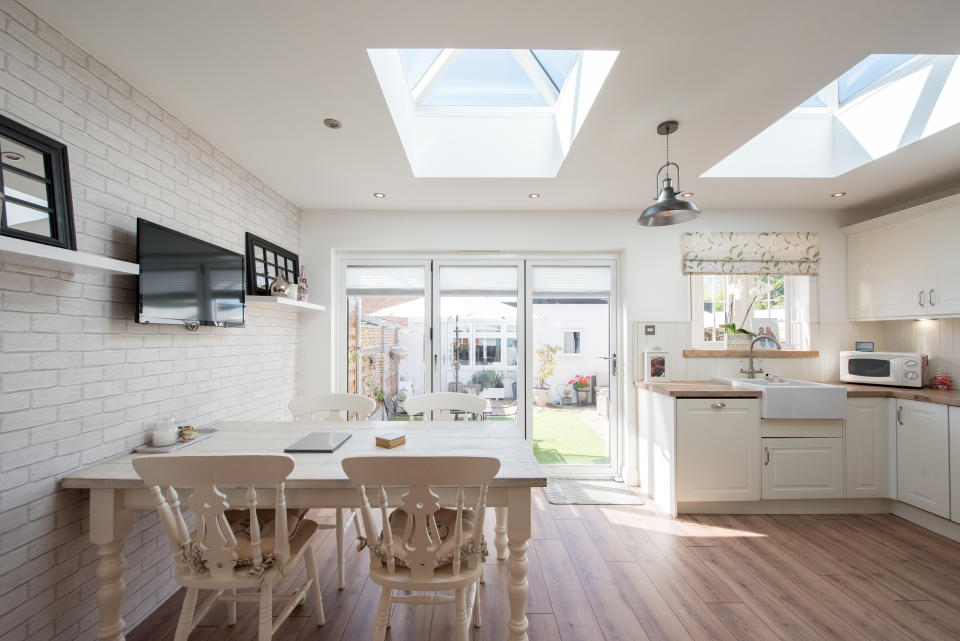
318, 481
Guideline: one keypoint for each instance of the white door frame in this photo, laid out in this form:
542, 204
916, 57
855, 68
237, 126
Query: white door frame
521, 310
616, 421
339, 308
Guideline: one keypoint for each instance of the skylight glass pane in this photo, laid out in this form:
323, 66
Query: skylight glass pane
416, 62
557, 63
485, 78
818, 99
868, 71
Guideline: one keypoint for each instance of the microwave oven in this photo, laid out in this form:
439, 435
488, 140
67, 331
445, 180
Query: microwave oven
901, 369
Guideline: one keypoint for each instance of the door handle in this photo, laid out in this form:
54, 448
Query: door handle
930, 298
766, 459
920, 297
900, 415
613, 365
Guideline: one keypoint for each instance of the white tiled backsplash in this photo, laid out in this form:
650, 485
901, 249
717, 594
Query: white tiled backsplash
827, 338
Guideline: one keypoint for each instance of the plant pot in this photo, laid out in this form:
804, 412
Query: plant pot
541, 396
737, 341
583, 396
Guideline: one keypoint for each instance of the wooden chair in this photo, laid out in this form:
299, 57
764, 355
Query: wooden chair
441, 404
416, 556
218, 555
338, 408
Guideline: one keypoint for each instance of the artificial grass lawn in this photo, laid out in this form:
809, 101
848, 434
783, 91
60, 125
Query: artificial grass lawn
560, 437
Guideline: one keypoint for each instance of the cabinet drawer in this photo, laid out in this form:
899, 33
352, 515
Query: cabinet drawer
802, 468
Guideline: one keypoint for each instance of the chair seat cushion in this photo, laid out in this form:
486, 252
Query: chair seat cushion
446, 524
239, 521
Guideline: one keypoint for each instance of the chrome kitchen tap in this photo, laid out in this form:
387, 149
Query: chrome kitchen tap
750, 372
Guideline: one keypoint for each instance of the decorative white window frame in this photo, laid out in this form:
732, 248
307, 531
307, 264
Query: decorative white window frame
797, 331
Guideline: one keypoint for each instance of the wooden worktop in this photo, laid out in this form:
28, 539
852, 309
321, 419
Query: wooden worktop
712, 389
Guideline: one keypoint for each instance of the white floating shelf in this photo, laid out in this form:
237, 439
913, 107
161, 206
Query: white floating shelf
24, 252
281, 300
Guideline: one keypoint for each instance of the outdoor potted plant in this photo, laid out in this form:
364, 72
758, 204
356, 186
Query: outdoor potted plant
581, 384
546, 359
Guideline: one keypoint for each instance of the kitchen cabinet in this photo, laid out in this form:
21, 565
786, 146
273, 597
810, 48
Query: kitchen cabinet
718, 449
866, 431
802, 468
954, 421
904, 265
923, 456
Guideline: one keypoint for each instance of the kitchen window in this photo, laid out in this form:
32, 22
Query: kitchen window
783, 303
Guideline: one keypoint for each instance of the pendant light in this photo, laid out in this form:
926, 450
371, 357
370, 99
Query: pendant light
668, 210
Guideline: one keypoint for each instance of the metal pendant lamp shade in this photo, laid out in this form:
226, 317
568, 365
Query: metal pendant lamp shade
669, 209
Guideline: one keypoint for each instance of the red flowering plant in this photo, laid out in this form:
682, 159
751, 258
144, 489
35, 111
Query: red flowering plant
579, 382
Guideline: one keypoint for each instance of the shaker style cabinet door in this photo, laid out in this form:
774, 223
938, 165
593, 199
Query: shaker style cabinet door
718, 449
923, 456
802, 468
865, 447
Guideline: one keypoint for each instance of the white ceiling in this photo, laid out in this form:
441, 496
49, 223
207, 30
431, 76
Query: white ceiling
257, 78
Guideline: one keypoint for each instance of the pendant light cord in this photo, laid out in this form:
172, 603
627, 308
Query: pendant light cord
668, 154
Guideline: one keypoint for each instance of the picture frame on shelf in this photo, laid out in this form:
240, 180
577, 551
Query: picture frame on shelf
267, 260
656, 366
766, 327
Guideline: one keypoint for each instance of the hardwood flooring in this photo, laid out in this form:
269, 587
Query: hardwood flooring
605, 573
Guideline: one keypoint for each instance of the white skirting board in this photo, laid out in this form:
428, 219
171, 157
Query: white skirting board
926, 520
788, 506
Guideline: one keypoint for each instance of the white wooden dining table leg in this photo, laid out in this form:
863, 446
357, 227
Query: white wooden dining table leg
340, 575
518, 537
109, 525
500, 532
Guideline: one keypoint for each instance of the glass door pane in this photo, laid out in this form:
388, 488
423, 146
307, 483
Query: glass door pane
477, 320
573, 365
386, 327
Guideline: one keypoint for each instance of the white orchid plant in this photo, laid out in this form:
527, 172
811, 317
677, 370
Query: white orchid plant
760, 288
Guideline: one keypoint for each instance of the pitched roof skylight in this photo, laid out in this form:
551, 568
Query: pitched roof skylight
882, 104
489, 112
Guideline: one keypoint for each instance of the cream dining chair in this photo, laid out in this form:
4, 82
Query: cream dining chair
423, 547
337, 408
439, 406
236, 545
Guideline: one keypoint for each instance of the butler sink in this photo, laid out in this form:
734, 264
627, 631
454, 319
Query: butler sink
787, 398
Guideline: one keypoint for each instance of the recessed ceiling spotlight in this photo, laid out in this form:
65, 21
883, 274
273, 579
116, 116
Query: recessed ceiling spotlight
534, 196
839, 194
332, 123
378, 194
12, 156
686, 194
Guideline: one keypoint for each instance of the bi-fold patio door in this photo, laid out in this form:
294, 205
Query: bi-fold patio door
481, 326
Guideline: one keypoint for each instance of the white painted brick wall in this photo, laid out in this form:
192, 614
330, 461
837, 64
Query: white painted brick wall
79, 380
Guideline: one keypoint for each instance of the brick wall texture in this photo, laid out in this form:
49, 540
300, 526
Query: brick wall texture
79, 380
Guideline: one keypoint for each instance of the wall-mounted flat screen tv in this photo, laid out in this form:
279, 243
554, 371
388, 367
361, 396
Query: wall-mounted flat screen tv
184, 280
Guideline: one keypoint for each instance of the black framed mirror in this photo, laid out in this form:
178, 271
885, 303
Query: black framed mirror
35, 187
264, 261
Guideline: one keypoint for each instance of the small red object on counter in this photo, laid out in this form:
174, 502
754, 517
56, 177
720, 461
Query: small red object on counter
941, 380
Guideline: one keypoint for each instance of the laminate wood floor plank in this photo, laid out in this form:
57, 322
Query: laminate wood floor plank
744, 624
698, 619
599, 573
611, 609
575, 619
655, 615
857, 614
894, 612
775, 613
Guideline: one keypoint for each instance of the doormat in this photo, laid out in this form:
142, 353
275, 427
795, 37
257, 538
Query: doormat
570, 492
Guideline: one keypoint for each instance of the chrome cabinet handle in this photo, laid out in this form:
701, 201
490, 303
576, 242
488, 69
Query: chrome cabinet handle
900, 415
718, 405
930, 297
920, 297
766, 460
